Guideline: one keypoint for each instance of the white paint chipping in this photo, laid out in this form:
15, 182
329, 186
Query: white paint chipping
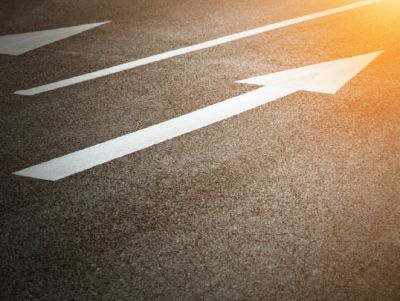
325, 78
173, 53
17, 44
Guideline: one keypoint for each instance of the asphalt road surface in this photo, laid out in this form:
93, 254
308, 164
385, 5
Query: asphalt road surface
298, 199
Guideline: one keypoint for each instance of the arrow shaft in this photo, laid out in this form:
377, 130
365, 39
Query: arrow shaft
112, 149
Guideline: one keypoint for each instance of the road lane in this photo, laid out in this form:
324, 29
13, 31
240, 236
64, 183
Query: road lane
327, 77
297, 200
204, 45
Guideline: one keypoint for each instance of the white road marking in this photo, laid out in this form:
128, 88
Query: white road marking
326, 77
17, 44
173, 53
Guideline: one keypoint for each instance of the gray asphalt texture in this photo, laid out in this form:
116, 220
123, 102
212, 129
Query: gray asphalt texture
296, 200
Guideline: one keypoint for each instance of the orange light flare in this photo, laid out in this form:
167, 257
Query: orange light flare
375, 107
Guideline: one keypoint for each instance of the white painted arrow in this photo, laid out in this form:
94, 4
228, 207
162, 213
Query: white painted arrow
326, 77
17, 44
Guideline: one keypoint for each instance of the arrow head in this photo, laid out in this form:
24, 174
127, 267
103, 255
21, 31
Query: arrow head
328, 77
17, 44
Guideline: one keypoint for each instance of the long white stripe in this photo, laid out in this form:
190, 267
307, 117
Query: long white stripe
101, 153
185, 50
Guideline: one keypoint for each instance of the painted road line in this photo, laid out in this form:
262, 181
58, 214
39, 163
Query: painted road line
326, 77
17, 44
173, 53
